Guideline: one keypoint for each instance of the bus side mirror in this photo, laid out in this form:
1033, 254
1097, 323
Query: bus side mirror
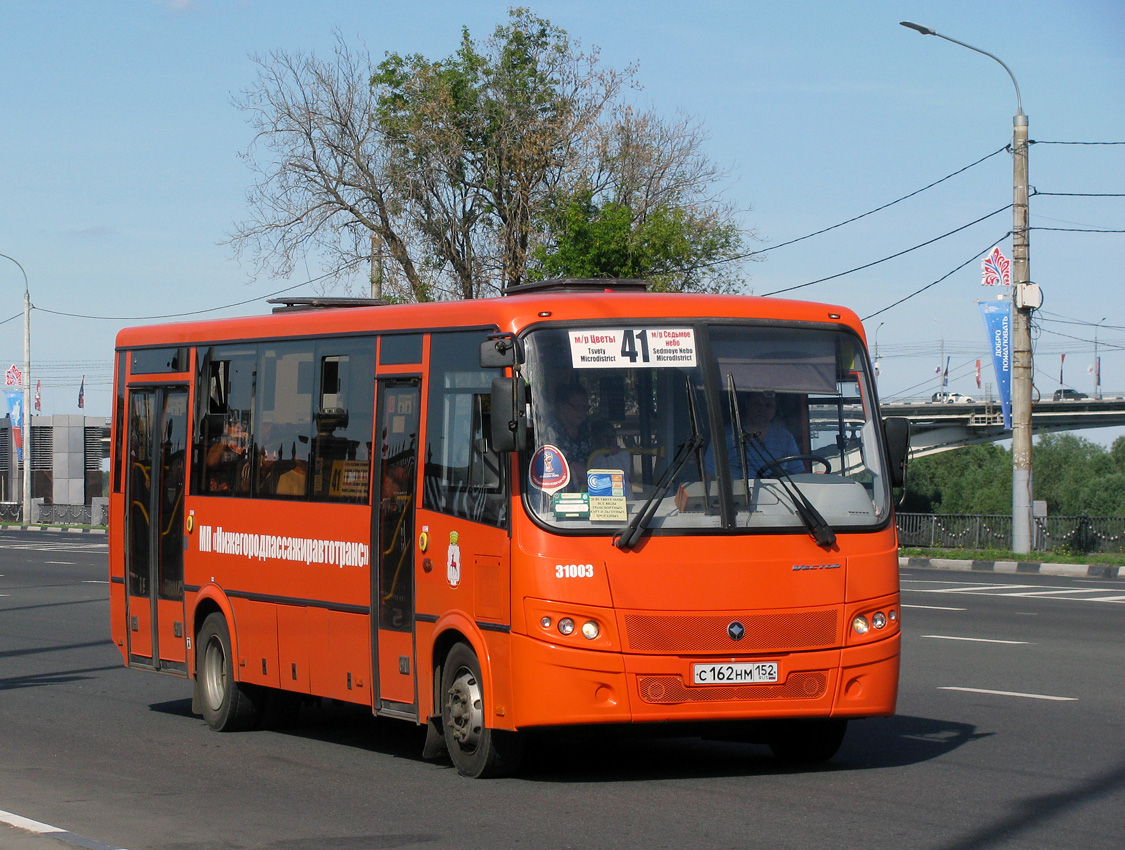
896, 429
508, 414
500, 350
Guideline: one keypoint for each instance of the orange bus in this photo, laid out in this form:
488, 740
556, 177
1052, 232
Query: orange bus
579, 503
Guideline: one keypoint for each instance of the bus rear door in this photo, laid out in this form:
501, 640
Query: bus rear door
157, 458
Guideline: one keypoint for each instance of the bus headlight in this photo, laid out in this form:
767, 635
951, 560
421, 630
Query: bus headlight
879, 620
566, 626
860, 625
590, 630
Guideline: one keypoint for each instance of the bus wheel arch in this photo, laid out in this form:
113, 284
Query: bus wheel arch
225, 703
477, 750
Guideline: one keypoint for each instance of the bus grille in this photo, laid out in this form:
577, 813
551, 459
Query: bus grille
708, 633
665, 690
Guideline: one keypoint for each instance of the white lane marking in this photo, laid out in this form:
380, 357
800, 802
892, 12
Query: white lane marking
933, 607
1009, 694
978, 640
63, 835
1052, 592
29, 825
1105, 599
974, 588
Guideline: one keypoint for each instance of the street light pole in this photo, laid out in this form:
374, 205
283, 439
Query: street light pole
26, 416
1097, 363
1025, 298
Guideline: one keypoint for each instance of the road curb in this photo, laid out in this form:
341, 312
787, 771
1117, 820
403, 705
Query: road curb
64, 529
1015, 567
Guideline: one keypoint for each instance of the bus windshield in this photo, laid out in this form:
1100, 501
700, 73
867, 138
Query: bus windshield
723, 427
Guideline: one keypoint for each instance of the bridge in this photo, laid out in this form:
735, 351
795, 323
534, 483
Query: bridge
941, 426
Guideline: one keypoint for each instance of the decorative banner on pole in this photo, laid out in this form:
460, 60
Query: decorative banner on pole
13, 377
978, 373
945, 374
38, 398
82, 392
15, 410
996, 269
1062, 360
997, 317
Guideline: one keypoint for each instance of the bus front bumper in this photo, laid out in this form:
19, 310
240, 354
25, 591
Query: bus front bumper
562, 686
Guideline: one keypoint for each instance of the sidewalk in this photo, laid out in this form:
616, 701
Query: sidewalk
66, 529
1014, 567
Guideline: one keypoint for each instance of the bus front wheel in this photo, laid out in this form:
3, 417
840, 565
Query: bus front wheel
476, 750
228, 705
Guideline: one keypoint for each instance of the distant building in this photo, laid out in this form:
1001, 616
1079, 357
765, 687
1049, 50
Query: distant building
69, 469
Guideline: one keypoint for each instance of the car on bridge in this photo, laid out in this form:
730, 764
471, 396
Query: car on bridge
1067, 394
951, 398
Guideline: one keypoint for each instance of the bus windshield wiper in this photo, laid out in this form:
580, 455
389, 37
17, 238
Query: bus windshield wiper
692, 445
814, 521
740, 437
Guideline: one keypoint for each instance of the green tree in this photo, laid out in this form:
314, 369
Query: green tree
974, 479
674, 247
1073, 475
447, 175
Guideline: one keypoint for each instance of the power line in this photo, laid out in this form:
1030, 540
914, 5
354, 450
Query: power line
892, 256
1036, 193
209, 309
943, 277
877, 209
1076, 229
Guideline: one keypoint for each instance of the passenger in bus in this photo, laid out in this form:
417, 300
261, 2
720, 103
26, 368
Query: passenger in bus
757, 411
228, 459
569, 431
607, 453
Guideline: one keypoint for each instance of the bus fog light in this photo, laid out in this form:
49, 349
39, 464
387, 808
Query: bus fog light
879, 620
893, 615
545, 622
590, 630
859, 625
566, 626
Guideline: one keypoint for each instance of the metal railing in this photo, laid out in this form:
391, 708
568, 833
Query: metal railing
57, 514
1077, 534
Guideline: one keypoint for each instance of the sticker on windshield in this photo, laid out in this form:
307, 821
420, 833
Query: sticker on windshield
632, 348
549, 469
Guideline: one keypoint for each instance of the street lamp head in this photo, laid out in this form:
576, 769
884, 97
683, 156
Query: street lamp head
917, 27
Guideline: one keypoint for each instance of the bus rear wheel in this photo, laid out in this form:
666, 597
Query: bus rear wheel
476, 750
807, 741
228, 705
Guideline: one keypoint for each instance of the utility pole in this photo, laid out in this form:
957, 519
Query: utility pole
26, 406
376, 266
1097, 363
1022, 367
26, 396
1025, 298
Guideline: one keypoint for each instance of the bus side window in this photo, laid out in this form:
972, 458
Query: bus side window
343, 411
464, 476
225, 416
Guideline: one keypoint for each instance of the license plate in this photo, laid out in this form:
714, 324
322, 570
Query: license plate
734, 673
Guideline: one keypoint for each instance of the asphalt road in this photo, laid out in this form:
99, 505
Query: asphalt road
1010, 733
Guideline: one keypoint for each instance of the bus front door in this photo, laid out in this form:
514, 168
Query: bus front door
397, 430
158, 445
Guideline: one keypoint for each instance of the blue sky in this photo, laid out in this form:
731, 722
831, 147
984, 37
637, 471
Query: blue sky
120, 174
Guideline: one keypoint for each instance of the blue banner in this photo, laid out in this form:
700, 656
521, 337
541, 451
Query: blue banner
997, 317
15, 411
